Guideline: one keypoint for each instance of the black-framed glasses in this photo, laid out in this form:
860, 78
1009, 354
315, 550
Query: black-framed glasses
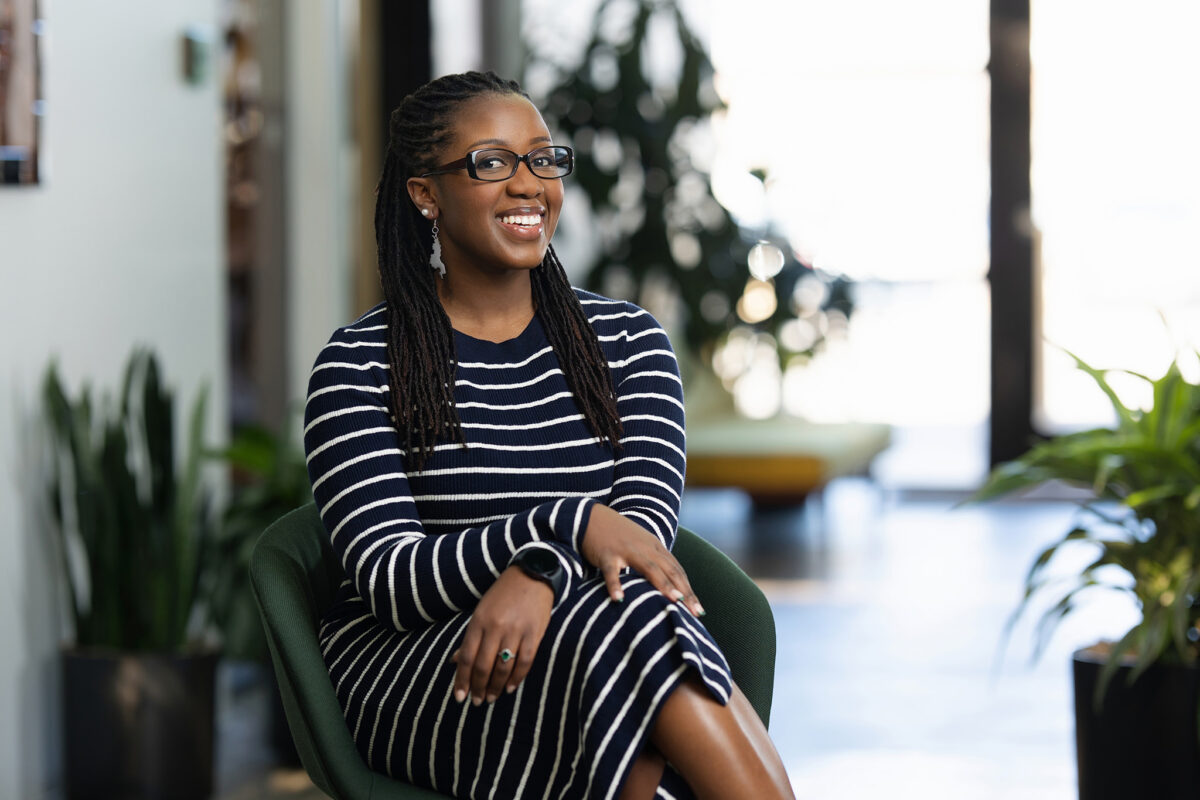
498, 164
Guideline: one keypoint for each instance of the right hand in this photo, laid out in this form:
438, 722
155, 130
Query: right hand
613, 542
512, 614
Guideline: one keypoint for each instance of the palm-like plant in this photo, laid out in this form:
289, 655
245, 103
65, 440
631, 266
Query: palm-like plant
271, 479
132, 524
1141, 520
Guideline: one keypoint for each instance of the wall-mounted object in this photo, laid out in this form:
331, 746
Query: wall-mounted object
21, 103
197, 54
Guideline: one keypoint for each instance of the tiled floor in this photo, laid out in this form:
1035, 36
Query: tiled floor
889, 678
889, 614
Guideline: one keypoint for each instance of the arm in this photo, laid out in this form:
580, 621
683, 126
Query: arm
362, 490
649, 473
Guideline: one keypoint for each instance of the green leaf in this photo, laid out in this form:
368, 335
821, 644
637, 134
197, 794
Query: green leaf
1193, 499
1154, 493
1039, 563
1124, 414
1151, 645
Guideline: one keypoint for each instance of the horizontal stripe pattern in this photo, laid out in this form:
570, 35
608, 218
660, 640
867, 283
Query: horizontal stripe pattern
420, 548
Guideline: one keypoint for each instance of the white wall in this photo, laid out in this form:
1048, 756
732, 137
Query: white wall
122, 243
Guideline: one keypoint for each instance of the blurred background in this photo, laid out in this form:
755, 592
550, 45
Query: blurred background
873, 229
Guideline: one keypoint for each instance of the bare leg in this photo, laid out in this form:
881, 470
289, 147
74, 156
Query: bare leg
644, 776
721, 751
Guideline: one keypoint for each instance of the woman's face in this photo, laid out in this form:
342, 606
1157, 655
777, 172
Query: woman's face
495, 225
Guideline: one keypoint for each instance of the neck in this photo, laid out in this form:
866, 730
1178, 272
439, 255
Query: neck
495, 307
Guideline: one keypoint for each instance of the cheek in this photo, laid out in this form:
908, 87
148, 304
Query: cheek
554, 203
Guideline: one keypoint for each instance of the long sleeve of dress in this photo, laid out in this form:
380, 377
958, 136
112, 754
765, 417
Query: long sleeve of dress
408, 577
649, 473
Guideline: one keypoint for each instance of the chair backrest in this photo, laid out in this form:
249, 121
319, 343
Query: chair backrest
738, 616
295, 574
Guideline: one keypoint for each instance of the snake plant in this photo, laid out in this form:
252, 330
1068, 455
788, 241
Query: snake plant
131, 519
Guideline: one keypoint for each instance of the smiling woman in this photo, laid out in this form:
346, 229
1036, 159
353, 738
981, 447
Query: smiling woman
498, 460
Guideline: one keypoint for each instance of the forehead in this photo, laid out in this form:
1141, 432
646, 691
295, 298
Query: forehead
507, 120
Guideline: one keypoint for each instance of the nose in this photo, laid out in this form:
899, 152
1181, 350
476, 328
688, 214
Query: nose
524, 183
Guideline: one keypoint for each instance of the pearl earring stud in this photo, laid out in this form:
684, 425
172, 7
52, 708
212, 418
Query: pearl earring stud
425, 212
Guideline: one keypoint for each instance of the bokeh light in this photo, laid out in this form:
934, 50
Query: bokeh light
758, 301
765, 261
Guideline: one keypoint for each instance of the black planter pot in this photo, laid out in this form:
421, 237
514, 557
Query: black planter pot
1144, 740
138, 726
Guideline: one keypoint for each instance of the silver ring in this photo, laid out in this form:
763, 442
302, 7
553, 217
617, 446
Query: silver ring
506, 655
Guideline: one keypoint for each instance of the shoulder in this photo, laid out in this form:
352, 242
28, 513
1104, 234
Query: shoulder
620, 320
360, 346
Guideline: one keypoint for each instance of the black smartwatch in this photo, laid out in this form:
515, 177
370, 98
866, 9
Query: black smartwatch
540, 564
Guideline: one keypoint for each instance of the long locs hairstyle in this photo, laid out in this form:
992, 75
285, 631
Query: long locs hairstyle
420, 340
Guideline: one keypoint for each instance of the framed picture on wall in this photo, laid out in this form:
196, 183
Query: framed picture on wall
20, 91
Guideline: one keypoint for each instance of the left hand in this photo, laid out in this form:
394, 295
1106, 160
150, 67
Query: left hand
613, 542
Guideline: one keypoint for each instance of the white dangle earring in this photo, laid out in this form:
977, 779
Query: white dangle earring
435, 258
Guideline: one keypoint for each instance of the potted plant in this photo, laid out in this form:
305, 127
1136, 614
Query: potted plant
132, 523
1136, 700
269, 479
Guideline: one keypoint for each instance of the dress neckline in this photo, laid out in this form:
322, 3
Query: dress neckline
532, 330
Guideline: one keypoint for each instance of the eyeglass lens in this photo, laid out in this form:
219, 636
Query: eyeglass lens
545, 162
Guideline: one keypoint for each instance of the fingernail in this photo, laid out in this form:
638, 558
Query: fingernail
700, 612
475, 700
678, 595
491, 698
460, 695
619, 598
511, 689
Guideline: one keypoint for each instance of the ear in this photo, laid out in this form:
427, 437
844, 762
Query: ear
424, 196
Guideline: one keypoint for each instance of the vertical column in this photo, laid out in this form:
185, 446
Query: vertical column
268, 330
503, 48
1011, 274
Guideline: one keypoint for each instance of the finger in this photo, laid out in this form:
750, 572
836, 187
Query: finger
464, 656
612, 579
674, 585
661, 580
523, 662
502, 671
680, 579
481, 667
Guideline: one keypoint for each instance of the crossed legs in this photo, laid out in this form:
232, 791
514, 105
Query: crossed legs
721, 751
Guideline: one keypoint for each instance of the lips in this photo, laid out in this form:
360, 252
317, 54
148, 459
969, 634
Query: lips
524, 223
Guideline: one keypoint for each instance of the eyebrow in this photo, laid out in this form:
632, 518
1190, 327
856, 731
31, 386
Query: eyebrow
503, 143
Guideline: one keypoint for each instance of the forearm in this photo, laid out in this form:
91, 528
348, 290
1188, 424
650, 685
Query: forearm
411, 579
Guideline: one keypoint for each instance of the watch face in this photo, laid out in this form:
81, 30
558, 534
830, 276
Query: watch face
540, 560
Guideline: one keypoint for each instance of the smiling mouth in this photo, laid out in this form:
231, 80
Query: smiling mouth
522, 220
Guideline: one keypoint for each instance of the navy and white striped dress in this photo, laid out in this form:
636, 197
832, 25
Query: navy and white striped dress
421, 547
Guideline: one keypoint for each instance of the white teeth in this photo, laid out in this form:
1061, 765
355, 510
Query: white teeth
514, 219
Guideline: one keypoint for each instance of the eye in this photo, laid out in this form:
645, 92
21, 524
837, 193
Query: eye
494, 162
491, 162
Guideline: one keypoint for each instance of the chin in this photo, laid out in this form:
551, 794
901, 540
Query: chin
529, 262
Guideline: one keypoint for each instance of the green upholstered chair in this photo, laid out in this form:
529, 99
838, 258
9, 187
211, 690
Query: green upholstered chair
295, 575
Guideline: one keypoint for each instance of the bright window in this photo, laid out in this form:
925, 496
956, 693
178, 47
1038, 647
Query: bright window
1115, 173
